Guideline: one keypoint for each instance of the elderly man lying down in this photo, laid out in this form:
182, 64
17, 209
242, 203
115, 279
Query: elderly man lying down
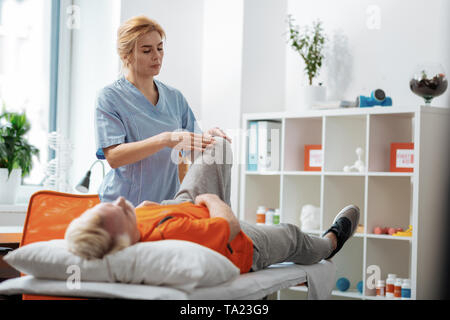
201, 213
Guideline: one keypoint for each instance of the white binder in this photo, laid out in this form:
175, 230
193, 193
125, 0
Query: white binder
269, 145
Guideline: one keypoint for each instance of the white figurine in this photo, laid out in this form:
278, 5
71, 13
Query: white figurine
358, 165
310, 218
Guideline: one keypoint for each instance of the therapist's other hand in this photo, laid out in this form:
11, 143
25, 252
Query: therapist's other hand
217, 132
219, 209
182, 140
207, 200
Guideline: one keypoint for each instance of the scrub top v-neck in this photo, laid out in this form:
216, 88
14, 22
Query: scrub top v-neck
124, 115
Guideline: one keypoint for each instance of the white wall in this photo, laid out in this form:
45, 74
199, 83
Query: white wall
94, 65
264, 56
360, 59
221, 77
182, 22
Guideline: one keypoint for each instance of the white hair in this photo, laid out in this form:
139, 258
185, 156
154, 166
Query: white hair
87, 238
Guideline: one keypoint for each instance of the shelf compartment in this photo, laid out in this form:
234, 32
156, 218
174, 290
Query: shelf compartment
297, 192
390, 257
389, 203
298, 133
349, 264
343, 135
260, 190
384, 130
339, 192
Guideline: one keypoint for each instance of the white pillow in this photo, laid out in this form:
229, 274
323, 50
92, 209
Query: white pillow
172, 263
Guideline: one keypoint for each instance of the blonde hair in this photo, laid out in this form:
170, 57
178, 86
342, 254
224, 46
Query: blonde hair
130, 32
87, 238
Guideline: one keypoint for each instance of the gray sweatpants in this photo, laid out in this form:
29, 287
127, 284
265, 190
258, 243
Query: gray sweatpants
211, 173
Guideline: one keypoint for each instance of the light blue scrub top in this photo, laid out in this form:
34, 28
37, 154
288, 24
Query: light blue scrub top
123, 115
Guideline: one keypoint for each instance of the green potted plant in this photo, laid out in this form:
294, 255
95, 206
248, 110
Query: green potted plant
309, 43
15, 154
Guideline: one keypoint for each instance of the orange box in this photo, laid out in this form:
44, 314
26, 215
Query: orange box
313, 157
402, 157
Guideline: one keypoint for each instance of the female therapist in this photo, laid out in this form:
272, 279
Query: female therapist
142, 123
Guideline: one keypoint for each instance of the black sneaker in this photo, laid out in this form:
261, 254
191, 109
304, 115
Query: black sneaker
344, 226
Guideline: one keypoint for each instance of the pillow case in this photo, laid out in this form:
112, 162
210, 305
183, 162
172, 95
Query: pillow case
178, 264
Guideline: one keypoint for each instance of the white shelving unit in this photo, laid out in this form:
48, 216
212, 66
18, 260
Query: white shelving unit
385, 198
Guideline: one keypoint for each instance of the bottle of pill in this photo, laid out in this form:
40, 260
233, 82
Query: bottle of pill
270, 213
398, 288
406, 289
390, 281
261, 215
381, 288
276, 217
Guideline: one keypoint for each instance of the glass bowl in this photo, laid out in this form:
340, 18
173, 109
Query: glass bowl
429, 81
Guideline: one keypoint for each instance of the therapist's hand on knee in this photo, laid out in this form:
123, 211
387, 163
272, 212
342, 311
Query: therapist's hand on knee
188, 141
217, 132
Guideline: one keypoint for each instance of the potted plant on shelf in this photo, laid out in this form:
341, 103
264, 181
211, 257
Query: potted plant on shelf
15, 154
309, 43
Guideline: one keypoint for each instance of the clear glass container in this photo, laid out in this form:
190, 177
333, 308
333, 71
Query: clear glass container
429, 81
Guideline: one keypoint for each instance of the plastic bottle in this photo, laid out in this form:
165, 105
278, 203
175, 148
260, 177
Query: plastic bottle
398, 288
270, 213
261, 215
406, 289
381, 288
276, 217
390, 281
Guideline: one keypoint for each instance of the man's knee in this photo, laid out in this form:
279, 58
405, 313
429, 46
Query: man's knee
219, 153
225, 148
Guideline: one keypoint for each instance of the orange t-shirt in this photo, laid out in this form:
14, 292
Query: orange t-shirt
192, 223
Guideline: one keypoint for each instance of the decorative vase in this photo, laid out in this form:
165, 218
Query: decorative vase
312, 95
9, 186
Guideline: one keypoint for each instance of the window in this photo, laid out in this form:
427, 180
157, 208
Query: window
25, 70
